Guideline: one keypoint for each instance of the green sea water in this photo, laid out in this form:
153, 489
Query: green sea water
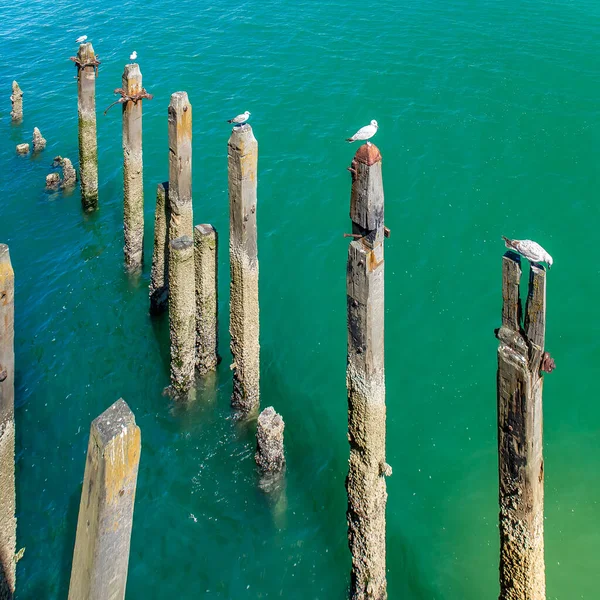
488, 115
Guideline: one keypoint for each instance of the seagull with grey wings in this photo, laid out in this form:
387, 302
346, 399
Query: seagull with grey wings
532, 251
240, 119
365, 133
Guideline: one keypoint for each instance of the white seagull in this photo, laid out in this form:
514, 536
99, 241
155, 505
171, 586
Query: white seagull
365, 133
240, 118
133, 55
532, 251
81, 39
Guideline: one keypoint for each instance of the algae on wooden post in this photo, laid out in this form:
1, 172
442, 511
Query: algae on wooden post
182, 315
180, 166
159, 275
243, 259
365, 380
520, 457
207, 304
86, 106
133, 186
101, 555
8, 522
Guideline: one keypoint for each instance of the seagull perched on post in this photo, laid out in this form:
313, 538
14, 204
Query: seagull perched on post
81, 39
532, 251
240, 118
133, 55
365, 133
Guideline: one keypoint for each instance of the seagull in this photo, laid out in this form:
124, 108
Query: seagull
532, 251
240, 118
81, 39
365, 133
133, 55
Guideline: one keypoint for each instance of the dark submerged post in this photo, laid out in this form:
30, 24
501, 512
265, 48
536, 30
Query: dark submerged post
365, 380
159, 276
520, 459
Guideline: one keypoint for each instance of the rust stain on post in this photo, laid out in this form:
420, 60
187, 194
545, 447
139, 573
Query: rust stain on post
365, 379
243, 260
133, 185
101, 555
88, 145
8, 522
520, 457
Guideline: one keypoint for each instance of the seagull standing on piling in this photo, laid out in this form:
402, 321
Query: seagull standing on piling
240, 119
133, 55
365, 133
532, 251
81, 39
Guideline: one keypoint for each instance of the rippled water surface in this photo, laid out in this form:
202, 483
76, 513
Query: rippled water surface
488, 117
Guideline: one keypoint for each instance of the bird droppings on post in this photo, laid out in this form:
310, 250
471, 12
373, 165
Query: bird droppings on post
159, 275
243, 260
365, 380
87, 70
16, 99
521, 359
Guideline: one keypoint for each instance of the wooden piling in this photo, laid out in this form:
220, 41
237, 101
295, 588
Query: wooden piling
270, 456
207, 302
38, 140
365, 380
520, 458
8, 522
133, 186
182, 314
16, 99
88, 145
159, 275
180, 166
243, 259
101, 554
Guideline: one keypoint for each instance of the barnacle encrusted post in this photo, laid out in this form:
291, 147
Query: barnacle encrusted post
365, 380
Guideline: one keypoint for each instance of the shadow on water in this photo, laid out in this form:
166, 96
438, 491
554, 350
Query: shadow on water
69, 543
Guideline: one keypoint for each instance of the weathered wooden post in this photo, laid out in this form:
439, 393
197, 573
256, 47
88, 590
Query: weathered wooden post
182, 314
133, 185
38, 141
521, 358
8, 522
365, 380
180, 166
101, 554
16, 99
87, 70
270, 456
207, 303
159, 275
243, 260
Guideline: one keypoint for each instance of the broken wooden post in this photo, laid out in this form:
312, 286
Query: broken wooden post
101, 554
8, 522
182, 314
269, 456
38, 141
133, 185
180, 166
520, 459
16, 99
87, 66
207, 303
22, 148
243, 260
365, 380
159, 276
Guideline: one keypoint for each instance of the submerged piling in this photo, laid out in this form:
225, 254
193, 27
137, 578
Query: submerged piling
180, 166
159, 275
520, 460
87, 66
101, 554
182, 315
133, 186
365, 380
8, 522
207, 326
243, 259
16, 99
269, 456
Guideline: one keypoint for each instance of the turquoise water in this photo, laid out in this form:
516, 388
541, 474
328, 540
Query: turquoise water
488, 116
